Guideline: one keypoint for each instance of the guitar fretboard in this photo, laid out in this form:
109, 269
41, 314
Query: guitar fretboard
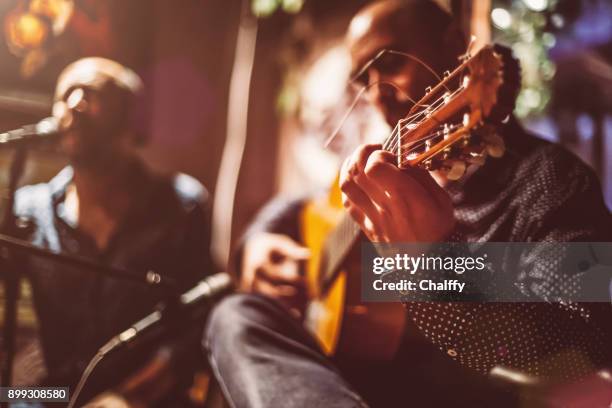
340, 241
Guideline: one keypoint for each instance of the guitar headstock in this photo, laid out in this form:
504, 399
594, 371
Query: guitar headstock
454, 124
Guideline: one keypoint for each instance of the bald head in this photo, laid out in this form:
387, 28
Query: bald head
413, 26
96, 73
419, 28
95, 100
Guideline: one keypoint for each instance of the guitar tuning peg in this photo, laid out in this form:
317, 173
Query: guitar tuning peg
468, 54
446, 74
428, 90
456, 170
496, 147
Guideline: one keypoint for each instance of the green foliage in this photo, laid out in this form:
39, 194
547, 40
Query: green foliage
265, 8
521, 25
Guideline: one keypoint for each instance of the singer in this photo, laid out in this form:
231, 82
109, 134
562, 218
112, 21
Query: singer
108, 206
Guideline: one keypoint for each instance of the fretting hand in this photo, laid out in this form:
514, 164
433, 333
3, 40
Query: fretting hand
392, 204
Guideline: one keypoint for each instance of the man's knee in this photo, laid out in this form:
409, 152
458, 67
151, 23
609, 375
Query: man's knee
233, 317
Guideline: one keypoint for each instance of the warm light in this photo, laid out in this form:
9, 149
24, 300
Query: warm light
263, 8
26, 31
558, 20
30, 27
325, 82
360, 25
293, 6
57, 11
549, 40
501, 18
536, 5
531, 98
46, 7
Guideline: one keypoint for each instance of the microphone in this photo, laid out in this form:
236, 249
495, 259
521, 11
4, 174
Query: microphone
47, 130
189, 307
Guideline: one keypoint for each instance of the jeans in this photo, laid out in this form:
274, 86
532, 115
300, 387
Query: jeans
261, 357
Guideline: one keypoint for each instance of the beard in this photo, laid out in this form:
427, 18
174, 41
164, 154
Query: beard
94, 150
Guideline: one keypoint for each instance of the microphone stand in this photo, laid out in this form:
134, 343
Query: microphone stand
150, 278
9, 270
13, 251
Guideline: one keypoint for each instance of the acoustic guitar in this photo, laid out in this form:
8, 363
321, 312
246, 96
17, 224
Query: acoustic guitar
450, 128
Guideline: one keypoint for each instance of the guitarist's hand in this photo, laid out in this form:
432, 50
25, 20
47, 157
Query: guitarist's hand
393, 205
271, 267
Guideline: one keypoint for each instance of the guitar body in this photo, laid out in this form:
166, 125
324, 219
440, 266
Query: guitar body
336, 316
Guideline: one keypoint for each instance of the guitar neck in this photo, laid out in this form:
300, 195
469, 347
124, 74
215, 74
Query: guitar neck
342, 238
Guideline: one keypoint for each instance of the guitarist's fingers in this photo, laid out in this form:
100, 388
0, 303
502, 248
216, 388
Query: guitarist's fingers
383, 156
285, 273
357, 191
353, 167
371, 187
430, 185
354, 211
370, 229
358, 159
357, 202
395, 181
285, 247
357, 171
382, 172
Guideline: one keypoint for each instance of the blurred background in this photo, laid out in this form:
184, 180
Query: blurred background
243, 94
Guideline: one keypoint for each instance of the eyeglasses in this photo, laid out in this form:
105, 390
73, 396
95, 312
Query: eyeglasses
388, 63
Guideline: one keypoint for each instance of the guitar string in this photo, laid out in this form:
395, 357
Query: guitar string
382, 52
428, 110
350, 226
367, 66
397, 134
394, 139
356, 100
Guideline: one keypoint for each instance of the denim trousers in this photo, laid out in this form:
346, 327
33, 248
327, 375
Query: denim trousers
262, 358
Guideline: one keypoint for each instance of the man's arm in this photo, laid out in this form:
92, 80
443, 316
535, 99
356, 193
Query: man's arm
279, 216
269, 256
541, 338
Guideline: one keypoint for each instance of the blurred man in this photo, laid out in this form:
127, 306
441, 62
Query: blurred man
536, 192
109, 207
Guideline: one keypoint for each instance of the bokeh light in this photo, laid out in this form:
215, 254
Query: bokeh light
536, 5
501, 18
25, 31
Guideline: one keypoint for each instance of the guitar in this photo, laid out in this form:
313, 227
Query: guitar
451, 127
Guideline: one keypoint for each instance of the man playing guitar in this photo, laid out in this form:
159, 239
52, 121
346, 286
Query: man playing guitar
537, 192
